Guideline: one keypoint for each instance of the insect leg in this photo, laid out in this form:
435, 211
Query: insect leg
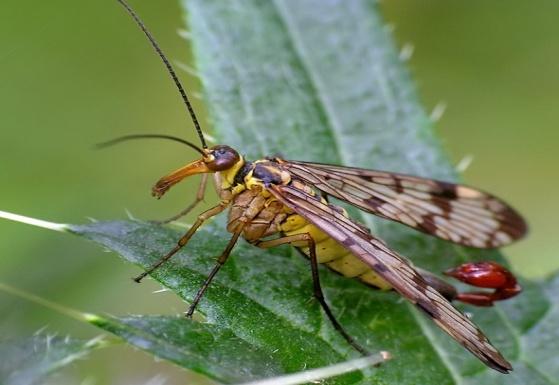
185, 238
220, 262
199, 198
305, 237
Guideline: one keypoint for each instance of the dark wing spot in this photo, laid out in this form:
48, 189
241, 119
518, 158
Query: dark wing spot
446, 190
374, 202
398, 187
443, 204
380, 268
348, 242
428, 224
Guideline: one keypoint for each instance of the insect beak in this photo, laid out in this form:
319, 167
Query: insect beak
197, 167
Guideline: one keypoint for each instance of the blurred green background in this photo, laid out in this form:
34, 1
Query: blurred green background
76, 73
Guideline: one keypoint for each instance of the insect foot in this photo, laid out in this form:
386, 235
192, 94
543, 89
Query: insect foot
490, 275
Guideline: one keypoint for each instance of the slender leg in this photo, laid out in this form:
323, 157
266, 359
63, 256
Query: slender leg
220, 262
199, 198
185, 238
305, 237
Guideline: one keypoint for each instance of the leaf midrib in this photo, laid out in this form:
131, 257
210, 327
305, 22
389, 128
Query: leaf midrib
322, 104
330, 117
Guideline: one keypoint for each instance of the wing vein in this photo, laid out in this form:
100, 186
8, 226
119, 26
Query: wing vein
393, 268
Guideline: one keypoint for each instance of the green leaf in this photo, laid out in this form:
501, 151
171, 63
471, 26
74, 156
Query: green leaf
211, 349
205, 348
29, 361
263, 312
260, 308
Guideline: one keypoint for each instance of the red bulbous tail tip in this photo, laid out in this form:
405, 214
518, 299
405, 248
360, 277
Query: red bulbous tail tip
490, 275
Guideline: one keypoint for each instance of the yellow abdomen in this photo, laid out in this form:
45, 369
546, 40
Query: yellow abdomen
331, 253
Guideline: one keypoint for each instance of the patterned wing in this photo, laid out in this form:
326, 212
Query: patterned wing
394, 269
453, 212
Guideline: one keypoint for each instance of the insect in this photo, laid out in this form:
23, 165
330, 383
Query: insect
274, 201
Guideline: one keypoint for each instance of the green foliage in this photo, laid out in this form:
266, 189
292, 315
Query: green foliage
206, 348
260, 301
260, 309
29, 361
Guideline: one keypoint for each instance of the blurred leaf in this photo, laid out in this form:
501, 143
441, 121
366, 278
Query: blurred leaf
29, 361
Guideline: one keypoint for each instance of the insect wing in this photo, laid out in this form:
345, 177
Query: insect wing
394, 269
453, 212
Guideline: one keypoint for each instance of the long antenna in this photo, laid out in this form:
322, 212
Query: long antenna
125, 138
169, 69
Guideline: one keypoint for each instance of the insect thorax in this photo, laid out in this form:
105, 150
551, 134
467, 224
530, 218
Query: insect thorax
267, 217
246, 185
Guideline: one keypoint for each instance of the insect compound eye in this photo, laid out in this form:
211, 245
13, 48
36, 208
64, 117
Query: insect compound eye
224, 157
